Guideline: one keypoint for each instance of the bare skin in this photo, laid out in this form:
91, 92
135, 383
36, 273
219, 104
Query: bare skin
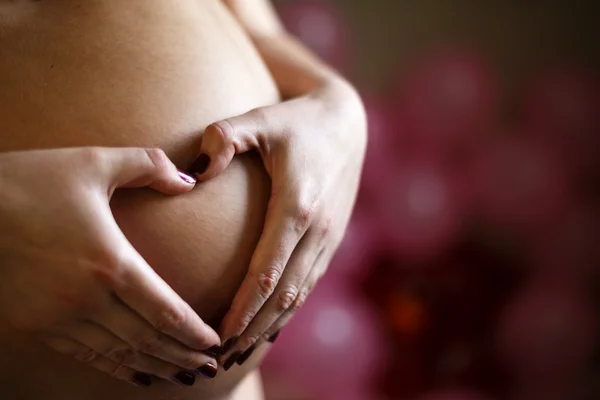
142, 73
312, 146
111, 76
73, 270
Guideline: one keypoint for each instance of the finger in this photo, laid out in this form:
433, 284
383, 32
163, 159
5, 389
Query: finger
113, 348
142, 337
280, 236
271, 334
288, 296
139, 167
142, 290
308, 286
223, 139
84, 354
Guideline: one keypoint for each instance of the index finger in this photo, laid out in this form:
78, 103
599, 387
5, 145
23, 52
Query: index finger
280, 236
151, 297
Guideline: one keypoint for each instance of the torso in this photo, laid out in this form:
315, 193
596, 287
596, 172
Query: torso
149, 73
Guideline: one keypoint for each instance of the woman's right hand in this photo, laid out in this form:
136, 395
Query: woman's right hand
69, 275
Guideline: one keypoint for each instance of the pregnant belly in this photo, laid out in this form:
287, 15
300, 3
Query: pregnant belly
146, 73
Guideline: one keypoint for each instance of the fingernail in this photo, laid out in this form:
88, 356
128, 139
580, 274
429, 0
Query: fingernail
228, 344
141, 379
201, 164
185, 378
208, 370
186, 178
245, 355
214, 351
231, 360
273, 337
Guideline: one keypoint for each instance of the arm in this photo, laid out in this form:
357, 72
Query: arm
69, 276
312, 146
295, 69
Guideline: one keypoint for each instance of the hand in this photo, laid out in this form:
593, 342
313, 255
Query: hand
69, 276
313, 149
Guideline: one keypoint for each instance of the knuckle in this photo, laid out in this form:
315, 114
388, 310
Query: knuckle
325, 229
150, 344
87, 356
247, 317
286, 298
267, 281
106, 265
260, 114
304, 212
96, 159
223, 131
169, 320
119, 372
124, 356
249, 340
94, 156
157, 156
299, 300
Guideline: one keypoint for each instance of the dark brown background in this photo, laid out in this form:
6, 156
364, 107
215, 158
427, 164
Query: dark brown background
516, 36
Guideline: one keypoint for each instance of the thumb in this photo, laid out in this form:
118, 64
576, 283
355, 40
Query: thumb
226, 138
139, 167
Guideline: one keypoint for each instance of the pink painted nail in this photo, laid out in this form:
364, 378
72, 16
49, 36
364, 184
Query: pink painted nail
186, 178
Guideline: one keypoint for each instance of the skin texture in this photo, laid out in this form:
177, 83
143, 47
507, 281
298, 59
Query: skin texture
321, 127
107, 73
82, 287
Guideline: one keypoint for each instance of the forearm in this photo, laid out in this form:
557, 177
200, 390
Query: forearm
296, 70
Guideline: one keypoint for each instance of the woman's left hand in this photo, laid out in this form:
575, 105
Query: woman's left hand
313, 148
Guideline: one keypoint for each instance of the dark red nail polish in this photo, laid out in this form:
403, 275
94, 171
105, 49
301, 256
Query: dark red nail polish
208, 370
228, 344
185, 378
231, 360
273, 337
186, 178
201, 164
214, 351
141, 379
245, 355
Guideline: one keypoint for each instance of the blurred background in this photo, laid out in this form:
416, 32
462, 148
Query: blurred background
471, 267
